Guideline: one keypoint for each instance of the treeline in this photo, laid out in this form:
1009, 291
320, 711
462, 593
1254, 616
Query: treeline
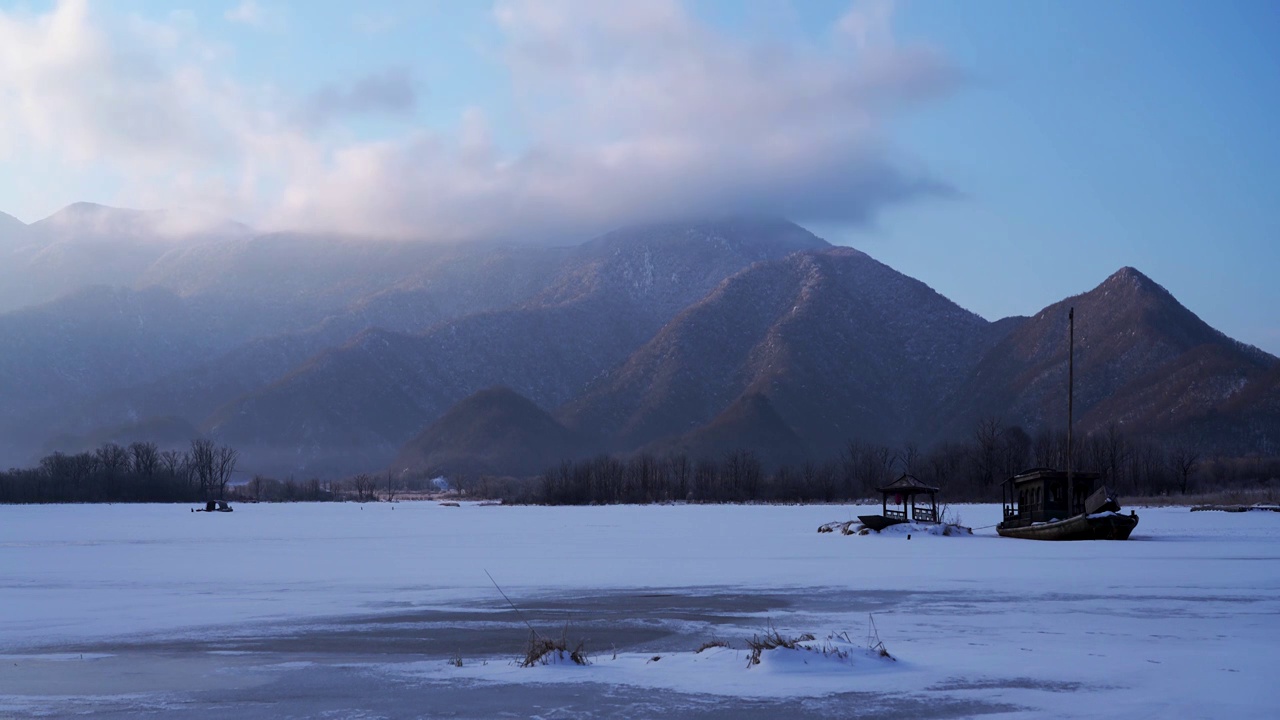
965, 471
364, 487
140, 472
971, 470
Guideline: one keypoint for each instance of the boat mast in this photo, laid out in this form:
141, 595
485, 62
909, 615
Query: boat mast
1071, 384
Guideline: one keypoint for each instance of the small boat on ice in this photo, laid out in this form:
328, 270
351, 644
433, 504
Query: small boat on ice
1036, 508
1046, 504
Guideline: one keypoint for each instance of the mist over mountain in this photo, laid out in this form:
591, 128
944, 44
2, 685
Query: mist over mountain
606, 299
326, 355
89, 244
91, 222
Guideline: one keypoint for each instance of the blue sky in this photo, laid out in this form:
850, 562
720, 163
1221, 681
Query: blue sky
1008, 153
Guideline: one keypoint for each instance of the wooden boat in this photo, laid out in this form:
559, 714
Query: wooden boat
1046, 504
1036, 508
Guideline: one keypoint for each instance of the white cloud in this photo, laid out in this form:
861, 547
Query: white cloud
76, 89
633, 111
869, 24
145, 102
638, 112
391, 92
247, 12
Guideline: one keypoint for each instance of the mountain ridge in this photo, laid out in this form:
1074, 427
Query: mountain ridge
328, 356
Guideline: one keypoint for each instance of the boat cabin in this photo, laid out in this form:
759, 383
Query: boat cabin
904, 491
1040, 495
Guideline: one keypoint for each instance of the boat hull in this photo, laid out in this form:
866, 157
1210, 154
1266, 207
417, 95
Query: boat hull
879, 522
1111, 526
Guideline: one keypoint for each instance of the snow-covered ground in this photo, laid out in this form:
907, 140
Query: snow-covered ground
366, 611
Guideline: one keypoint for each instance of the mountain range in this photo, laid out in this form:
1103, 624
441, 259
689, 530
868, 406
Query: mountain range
328, 355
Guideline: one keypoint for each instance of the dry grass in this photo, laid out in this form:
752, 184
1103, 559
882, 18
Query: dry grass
544, 651
874, 643
1237, 496
837, 645
771, 640
712, 643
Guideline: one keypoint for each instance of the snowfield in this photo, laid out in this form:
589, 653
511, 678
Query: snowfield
386, 610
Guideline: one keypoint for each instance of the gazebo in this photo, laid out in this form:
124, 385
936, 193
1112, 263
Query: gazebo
904, 491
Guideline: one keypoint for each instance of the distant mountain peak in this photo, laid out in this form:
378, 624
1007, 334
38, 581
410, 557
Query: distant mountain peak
85, 207
93, 219
493, 428
1131, 279
80, 213
751, 422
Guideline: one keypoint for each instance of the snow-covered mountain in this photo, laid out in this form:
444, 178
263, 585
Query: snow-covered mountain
100, 223
89, 244
329, 355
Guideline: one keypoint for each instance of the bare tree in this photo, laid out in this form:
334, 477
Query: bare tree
1184, 460
201, 462
908, 459
704, 479
224, 464
821, 481
113, 462
146, 458
112, 459
255, 487
681, 472
1015, 450
391, 488
176, 464
867, 466
1148, 468
1115, 453
1047, 449
364, 485
986, 455
947, 463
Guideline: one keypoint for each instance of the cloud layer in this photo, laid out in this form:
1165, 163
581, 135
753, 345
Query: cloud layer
389, 92
629, 111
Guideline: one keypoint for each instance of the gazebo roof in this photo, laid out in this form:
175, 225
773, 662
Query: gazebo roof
907, 485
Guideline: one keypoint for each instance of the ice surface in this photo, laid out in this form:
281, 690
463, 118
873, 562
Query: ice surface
294, 601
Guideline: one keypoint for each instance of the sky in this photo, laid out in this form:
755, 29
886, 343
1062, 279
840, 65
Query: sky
1009, 153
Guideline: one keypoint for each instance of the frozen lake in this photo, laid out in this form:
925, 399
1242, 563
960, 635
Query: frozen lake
346, 610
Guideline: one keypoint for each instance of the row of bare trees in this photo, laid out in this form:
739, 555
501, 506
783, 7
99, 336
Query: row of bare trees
966, 471
361, 488
139, 472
